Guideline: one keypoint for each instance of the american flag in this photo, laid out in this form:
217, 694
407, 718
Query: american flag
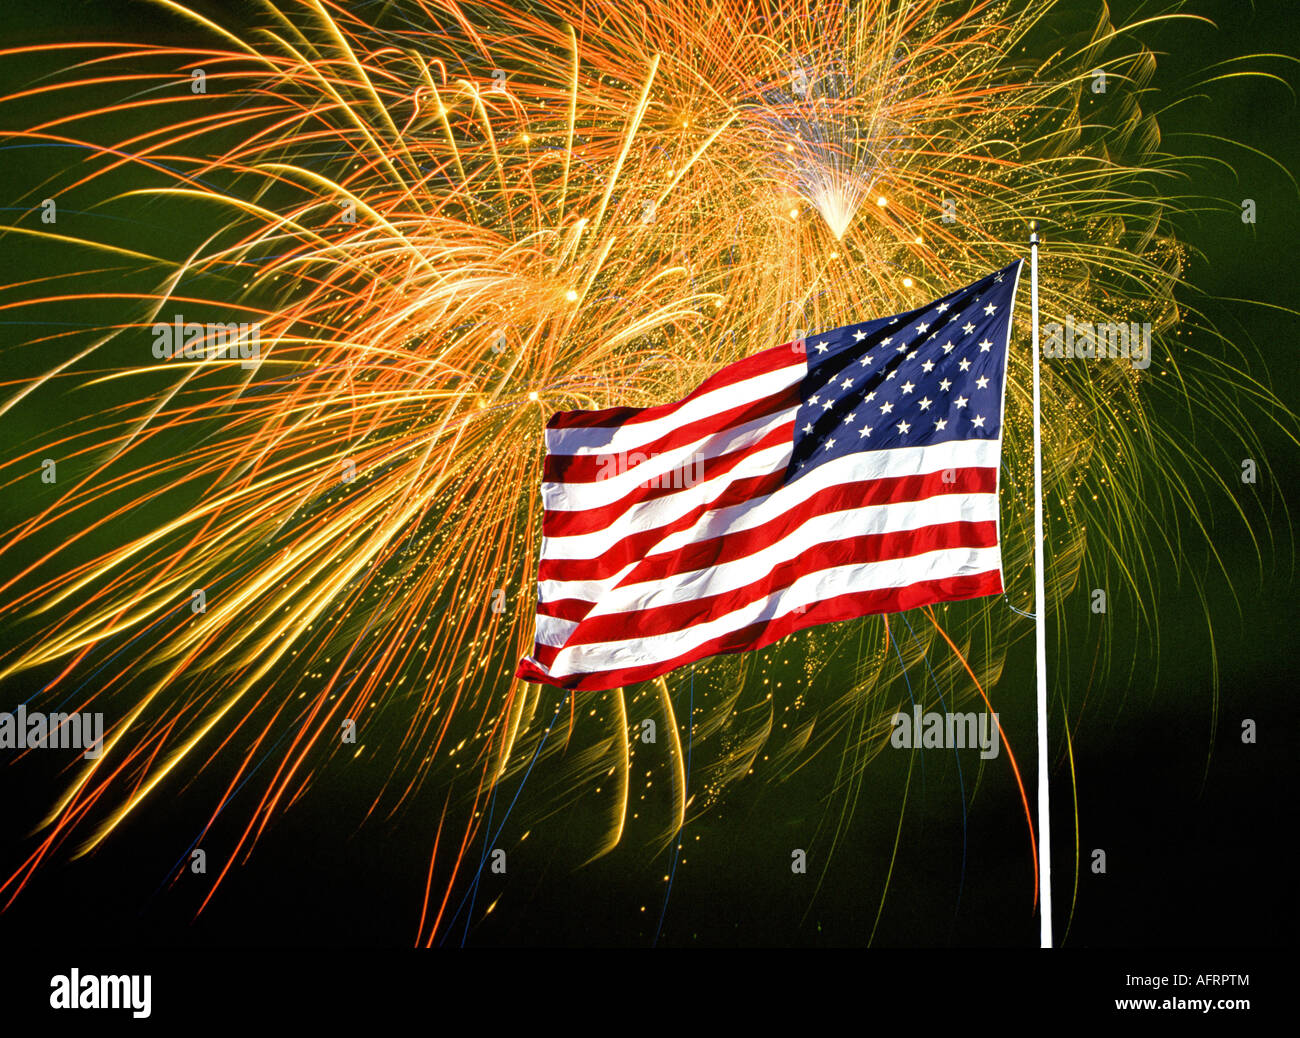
846, 473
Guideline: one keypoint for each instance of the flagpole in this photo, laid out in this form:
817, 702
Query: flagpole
1040, 631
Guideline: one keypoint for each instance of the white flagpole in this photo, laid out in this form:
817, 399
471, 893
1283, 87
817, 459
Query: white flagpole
1040, 630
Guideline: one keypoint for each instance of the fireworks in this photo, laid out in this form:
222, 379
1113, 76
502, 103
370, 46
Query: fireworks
433, 230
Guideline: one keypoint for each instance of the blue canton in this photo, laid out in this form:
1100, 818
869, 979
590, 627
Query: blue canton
931, 375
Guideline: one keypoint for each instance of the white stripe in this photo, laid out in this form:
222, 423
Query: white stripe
807, 590
631, 435
552, 630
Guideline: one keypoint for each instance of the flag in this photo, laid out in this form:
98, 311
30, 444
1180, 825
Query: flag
843, 474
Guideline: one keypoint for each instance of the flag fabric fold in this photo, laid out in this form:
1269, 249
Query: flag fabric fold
851, 472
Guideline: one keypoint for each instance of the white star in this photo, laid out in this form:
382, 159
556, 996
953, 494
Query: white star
849, 418
942, 307
891, 375
945, 385
865, 360
900, 347
954, 319
864, 431
940, 425
858, 336
998, 279
903, 427
886, 407
968, 327
907, 387
964, 365
871, 396
947, 347
886, 342
911, 355
928, 366
922, 328
962, 401
829, 444
813, 400
985, 346
827, 405
925, 403
989, 309
821, 346
846, 383
982, 382
978, 421
808, 428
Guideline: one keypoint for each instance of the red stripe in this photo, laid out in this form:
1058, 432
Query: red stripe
765, 632
867, 548
760, 363
573, 609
